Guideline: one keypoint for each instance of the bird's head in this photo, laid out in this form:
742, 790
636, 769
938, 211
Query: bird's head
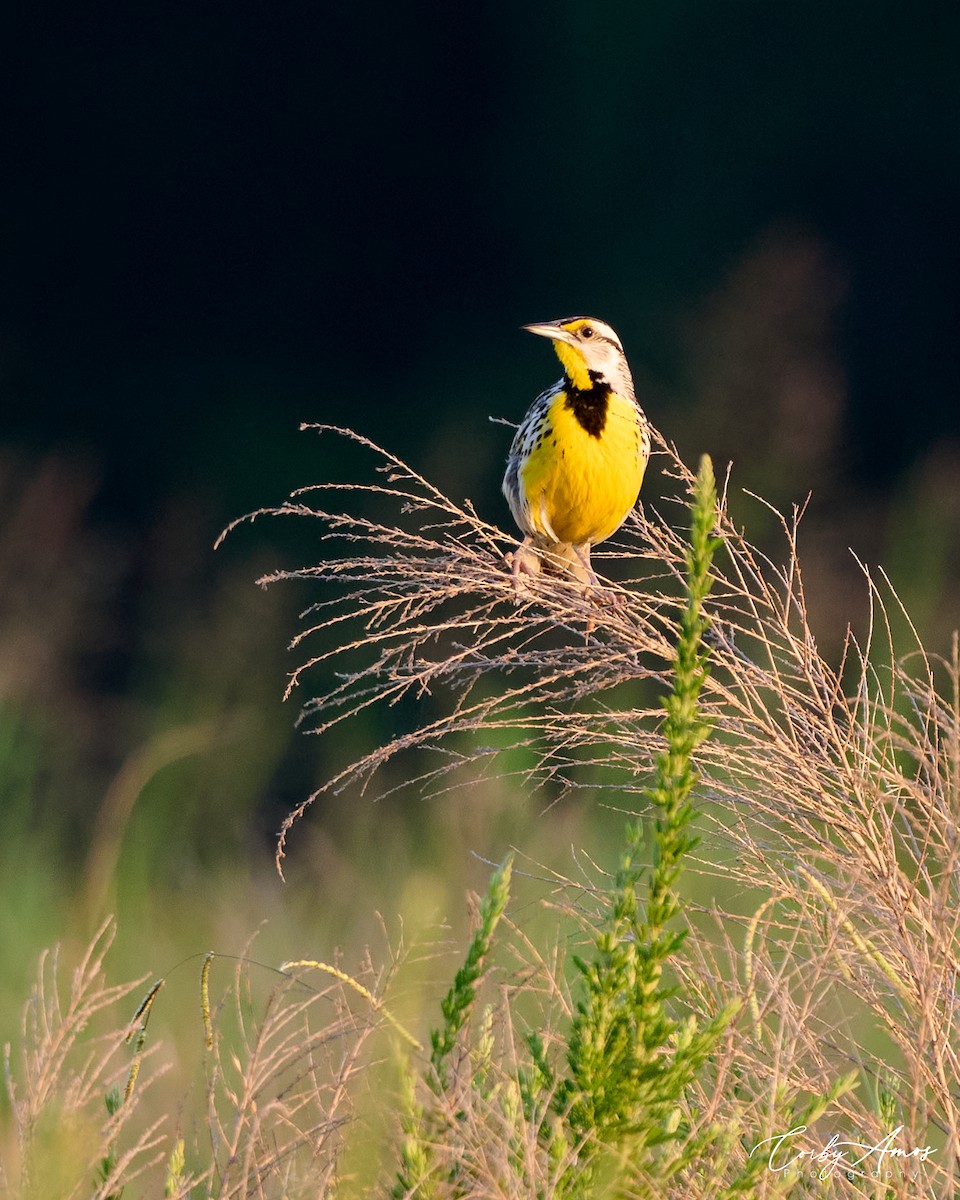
590, 352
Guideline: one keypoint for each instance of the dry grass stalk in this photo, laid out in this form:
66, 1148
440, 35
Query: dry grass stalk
57, 1084
834, 786
279, 1085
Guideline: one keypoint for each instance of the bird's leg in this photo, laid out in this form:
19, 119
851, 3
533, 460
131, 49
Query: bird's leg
600, 596
523, 561
563, 559
578, 559
589, 576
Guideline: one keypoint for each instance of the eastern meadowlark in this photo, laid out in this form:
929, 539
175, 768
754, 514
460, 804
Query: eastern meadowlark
577, 461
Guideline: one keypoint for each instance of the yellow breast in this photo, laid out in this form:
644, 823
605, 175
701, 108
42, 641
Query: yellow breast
580, 487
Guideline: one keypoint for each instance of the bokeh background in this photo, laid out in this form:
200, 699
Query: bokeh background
218, 221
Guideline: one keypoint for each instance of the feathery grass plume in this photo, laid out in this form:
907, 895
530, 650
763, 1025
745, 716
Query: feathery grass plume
830, 823
70, 1062
422, 606
278, 1086
205, 1000
281, 1084
138, 1035
376, 1003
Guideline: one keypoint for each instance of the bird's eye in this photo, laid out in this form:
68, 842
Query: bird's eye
586, 331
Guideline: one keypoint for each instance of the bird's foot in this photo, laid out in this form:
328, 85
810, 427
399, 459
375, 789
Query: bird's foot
524, 564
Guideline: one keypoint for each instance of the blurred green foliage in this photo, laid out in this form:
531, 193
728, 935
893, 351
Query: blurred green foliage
220, 223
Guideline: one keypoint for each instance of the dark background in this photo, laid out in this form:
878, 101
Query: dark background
218, 220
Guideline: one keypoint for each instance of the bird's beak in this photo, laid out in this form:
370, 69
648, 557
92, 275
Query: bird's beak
551, 329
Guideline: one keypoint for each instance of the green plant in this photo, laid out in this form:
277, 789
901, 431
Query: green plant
630, 1060
416, 1155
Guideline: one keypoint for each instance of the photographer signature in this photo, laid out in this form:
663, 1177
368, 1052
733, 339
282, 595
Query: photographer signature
784, 1153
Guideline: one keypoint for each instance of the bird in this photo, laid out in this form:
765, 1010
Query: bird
578, 458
